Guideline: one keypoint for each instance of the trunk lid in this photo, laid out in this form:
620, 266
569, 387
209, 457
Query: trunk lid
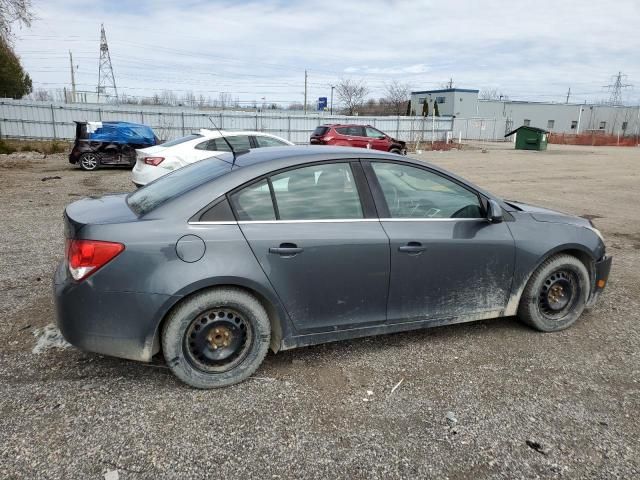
96, 211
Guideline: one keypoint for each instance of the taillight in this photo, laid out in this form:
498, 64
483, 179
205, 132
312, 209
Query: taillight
86, 256
155, 161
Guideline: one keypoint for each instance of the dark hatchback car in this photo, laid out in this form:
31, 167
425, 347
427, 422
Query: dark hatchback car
216, 262
360, 136
99, 144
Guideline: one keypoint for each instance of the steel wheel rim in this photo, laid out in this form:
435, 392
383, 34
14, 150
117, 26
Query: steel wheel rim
89, 161
558, 294
218, 340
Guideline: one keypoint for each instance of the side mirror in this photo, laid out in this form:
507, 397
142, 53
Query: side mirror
494, 211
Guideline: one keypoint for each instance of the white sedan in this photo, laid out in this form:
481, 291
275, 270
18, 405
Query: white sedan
156, 161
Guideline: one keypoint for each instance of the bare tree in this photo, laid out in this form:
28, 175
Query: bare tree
40, 95
189, 99
167, 97
492, 94
351, 93
12, 11
224, 100
397, 96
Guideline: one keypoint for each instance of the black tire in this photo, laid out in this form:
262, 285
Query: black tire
193, 358
396, 151
556, 294
89, 161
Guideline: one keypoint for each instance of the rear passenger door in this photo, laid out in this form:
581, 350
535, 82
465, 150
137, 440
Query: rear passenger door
314, 231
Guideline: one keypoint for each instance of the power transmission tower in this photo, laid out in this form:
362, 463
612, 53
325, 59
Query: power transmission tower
106, 79
616, 88
568, 95
450, 84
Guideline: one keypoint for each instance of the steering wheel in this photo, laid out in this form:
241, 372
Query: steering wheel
468, 211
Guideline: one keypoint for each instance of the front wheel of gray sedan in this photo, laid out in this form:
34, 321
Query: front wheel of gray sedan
216, 338
556, 294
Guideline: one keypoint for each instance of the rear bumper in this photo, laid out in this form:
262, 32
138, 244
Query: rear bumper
118, 324
143, 174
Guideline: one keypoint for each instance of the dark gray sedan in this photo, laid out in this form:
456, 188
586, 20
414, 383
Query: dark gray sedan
285, 247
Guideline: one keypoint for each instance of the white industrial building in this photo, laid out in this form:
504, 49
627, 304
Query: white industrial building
510, 114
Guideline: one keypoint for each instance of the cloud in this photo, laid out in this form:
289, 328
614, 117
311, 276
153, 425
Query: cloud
261, 48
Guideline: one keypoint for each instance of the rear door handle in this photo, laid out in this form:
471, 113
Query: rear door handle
286, 249
412, 247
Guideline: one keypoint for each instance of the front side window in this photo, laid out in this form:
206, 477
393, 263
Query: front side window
412, 192
373, 133
253, 203
319, 192
269, 142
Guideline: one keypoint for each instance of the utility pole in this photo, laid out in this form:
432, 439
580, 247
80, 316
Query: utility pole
305, 92
568, 95
73, 79
105, 69
580, 109
331, 108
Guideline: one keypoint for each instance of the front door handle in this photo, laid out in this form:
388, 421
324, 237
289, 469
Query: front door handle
286, 249
412, 247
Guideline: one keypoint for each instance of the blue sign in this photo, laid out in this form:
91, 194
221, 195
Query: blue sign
322, 103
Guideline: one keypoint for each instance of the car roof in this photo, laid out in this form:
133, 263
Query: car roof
299, 154
208, 133
345, 125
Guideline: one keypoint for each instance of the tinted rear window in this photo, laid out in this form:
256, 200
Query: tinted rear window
319, 131
180, 140
176, 183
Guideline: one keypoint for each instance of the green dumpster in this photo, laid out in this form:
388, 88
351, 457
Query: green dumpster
529, 138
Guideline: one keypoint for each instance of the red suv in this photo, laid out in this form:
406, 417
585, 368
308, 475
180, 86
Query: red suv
363, 136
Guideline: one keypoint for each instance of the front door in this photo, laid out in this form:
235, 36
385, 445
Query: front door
377, 140
327, 262
447, 260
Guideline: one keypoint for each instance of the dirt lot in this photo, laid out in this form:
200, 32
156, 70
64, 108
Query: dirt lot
526, 405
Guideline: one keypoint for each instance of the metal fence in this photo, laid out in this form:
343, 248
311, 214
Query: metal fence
53, 121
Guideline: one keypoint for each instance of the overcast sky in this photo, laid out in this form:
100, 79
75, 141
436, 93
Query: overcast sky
254, 50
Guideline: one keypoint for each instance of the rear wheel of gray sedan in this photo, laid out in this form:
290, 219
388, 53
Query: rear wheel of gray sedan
556, 294
216, 338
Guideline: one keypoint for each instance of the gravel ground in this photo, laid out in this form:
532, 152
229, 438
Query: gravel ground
491, 399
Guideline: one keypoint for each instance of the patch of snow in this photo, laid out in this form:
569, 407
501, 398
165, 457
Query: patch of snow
48, 337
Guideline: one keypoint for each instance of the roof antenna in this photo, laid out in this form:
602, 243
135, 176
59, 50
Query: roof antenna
225, 140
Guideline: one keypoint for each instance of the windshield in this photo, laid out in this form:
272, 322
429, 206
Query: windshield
180, 140
175, 184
